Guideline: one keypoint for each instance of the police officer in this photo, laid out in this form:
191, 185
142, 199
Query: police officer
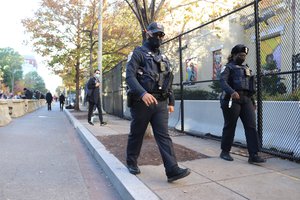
149, 78
237, 101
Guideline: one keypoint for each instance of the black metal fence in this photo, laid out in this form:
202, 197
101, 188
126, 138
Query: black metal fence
271, 31
113, 90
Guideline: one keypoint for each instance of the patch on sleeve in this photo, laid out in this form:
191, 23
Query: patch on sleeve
129, 56
223, 68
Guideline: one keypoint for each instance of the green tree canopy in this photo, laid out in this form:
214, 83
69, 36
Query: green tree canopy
34, 81
10, 66
57, 33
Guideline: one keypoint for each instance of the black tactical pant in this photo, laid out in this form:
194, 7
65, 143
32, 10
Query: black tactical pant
244, 109
157, 115
91, 109
61, 105
49, 105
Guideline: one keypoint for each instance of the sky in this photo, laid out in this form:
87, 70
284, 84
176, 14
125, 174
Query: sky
12, 35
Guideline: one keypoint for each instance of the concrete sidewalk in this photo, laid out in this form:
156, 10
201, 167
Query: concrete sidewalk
211, 178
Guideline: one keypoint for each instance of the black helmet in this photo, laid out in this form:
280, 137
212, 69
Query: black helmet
155, 27
240, 48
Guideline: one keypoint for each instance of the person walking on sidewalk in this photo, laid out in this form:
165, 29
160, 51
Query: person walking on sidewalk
93, 97
49, 99
61, 101
150, 98
237, 100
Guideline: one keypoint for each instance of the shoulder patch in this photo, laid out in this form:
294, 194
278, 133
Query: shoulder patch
129, 56
223, 68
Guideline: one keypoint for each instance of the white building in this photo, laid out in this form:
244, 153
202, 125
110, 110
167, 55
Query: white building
29, 64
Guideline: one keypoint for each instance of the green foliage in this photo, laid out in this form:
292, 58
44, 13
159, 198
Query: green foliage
294, 96
271, 84
35, 82
195, 95
120, 36
10, 66
216, 86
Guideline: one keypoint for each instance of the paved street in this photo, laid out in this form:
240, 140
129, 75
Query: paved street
42, 158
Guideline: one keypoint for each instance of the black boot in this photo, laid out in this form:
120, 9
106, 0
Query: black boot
254, 158
226, 156
133, 169
177, 173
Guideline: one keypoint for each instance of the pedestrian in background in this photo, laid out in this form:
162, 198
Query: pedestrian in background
93, 97
49, 99
61, 101
238, 85
28, 93
149, 78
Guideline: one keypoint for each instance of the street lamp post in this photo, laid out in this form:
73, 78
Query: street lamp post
100, 42
100, 48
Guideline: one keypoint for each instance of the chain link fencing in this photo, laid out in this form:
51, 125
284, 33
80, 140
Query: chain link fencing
271, 31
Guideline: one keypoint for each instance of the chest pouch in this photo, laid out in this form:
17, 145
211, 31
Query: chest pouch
147, 80
247, 72
252, 85
165, 81
162, 66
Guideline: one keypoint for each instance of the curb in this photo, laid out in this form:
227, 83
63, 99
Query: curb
128, 185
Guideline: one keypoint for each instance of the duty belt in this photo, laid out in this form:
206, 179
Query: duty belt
244, 93
160, 96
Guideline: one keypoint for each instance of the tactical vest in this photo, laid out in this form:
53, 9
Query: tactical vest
155, 74
241, 78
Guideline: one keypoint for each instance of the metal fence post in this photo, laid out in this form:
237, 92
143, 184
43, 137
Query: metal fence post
181, 85
258, 74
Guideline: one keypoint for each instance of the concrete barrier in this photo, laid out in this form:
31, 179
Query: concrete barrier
4, 113
16, 107
42, 102
281, 122
31, 105
12, 108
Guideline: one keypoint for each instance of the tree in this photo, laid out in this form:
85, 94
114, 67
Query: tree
34, 81
119, 36
1, 80
216, 86
11, 66
271, 84
19, 87
90, 25
65, 32
145, 12
56, 31
187, 14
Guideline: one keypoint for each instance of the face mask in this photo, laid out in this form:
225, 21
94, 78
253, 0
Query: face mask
97, 76
155, 42
239, 61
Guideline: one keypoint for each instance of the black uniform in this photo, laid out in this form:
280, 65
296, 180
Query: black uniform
149, 71
49, 99
61, 102
93, 98
238, 78
28, 93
